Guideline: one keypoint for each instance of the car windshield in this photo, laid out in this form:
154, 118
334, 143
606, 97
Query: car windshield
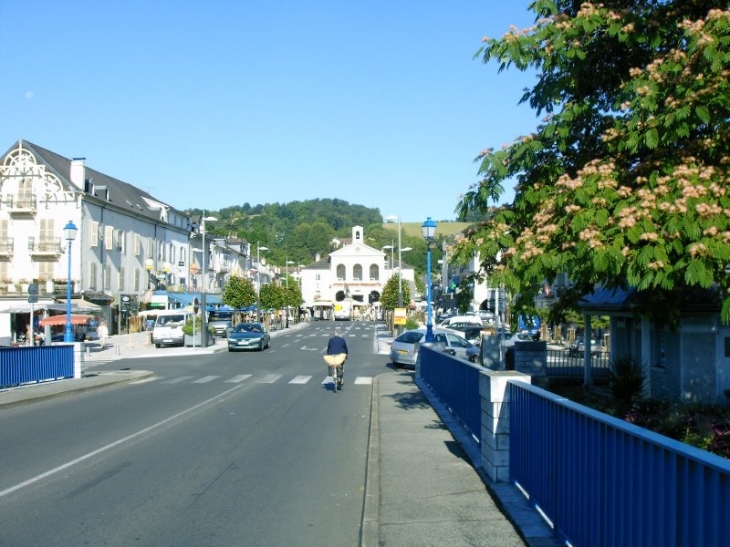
249, 327
411, 337
220, 316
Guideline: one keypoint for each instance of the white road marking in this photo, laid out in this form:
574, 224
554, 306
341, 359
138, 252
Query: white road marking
177, 380
145, 380
364, 380
300, 379
238, 379
109, 446
205, 379
268, 379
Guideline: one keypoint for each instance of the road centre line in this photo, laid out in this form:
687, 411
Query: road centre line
109, 446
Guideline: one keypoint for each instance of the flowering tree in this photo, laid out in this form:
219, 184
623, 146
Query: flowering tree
625, 180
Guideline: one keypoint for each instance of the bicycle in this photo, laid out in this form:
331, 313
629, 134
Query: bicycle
335, 364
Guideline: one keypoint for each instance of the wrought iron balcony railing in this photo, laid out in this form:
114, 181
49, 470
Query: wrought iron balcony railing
44, 245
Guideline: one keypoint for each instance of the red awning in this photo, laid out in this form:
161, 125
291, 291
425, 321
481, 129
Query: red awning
55, 320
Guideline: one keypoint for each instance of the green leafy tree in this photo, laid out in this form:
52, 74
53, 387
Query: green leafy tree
389, 298
239, 292
272, 297
625, 180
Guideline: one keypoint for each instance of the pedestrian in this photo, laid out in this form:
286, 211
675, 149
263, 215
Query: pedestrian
103, 332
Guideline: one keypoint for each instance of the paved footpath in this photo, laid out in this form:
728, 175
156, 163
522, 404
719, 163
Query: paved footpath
421, 487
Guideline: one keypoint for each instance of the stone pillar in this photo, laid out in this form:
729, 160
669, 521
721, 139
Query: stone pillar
495, 421
79, 349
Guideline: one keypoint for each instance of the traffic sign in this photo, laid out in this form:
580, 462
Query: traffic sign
33, 289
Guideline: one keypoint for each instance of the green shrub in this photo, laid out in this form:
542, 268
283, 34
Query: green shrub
188, 326
411, 323
626, 379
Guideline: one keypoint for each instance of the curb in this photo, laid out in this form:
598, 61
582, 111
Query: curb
370, 528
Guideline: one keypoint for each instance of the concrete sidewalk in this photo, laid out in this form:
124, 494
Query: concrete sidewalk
423, 488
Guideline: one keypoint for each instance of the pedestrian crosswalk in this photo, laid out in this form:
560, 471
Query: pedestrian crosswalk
250, 379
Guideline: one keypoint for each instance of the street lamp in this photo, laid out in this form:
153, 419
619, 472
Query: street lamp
429, 229
148, 265
392, 249
203, 304
286, 266
258, 280
69, 232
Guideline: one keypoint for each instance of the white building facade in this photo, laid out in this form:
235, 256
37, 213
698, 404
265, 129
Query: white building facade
356, 273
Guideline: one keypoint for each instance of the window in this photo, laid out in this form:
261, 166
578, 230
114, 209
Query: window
107, 278
4, 270
94, 233
150, 248
121, 241
47, 230
374, 272
136, 279
341, 272
45, 270
108, 238
357, 272
137, 244
92, 276
121, 278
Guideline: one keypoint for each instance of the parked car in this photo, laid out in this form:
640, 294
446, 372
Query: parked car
168, 330
220, 321
517, 337
404, 349
248, 336
577, 348
470, 332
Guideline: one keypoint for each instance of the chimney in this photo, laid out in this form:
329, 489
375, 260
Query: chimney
78, 173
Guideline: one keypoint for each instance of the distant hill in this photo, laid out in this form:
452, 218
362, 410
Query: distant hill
414, 229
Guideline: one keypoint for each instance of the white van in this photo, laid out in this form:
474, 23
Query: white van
461, 320
168, 328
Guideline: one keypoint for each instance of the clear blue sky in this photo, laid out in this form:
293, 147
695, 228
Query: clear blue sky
220, 103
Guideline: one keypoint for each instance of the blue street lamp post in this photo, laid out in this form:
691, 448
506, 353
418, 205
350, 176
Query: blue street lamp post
204, 276
429, 229
69, 232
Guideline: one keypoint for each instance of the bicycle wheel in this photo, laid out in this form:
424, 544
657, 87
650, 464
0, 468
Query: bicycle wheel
334, 378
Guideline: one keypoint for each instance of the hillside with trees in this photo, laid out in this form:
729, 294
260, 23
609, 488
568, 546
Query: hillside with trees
299, 231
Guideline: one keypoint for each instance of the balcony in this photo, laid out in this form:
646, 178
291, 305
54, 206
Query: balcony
45, 246
6, 246
20, 204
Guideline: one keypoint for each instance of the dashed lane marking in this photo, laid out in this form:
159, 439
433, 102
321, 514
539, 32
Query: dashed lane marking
238, 379
300, 379
205, 379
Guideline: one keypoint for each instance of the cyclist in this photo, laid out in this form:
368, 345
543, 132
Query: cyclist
337, 346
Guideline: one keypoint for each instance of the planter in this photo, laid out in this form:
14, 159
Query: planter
195, 340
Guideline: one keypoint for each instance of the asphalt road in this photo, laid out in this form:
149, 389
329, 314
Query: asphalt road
223, 449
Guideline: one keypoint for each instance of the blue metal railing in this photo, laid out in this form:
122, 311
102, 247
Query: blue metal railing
26, 365
602, 481
457, 383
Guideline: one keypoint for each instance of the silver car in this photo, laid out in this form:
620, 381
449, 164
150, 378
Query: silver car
404, 349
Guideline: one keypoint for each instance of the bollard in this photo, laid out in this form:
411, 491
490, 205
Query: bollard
119, 350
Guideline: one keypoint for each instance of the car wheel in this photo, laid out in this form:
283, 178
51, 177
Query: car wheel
157, 346
473, 359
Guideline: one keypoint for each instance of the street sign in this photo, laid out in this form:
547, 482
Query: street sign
399, 316
33, 298
33, 289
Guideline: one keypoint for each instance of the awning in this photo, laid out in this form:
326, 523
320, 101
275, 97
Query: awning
79, 304
24, 307
56, 320
187, 298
